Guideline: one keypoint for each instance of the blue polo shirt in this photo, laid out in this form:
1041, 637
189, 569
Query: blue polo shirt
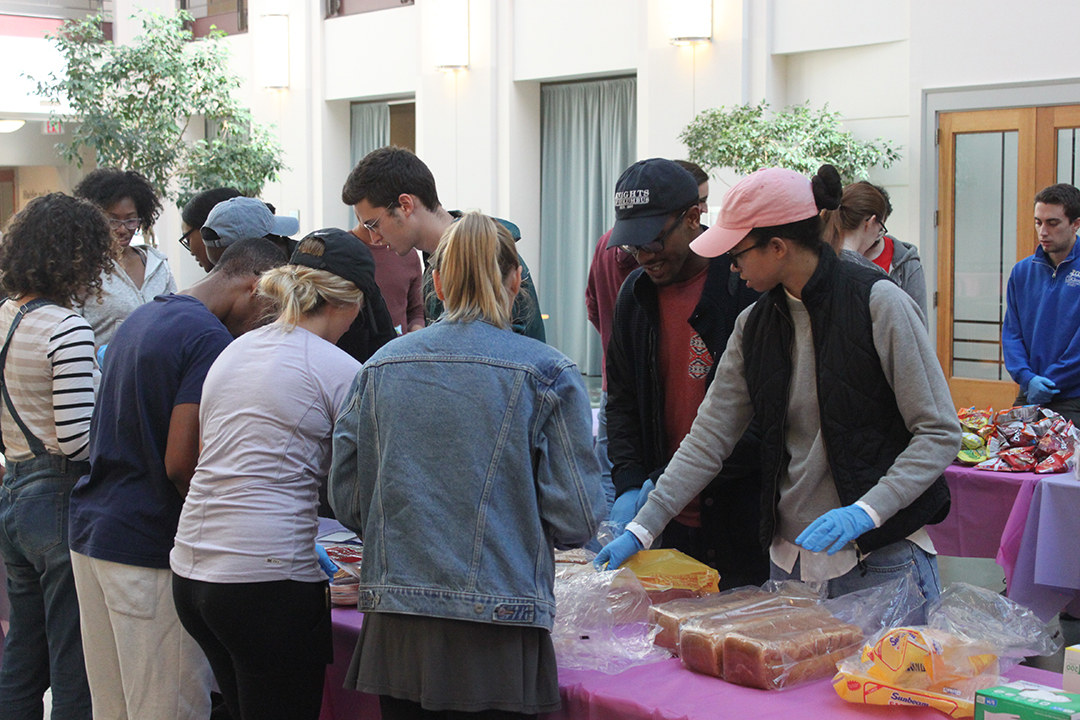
126, 510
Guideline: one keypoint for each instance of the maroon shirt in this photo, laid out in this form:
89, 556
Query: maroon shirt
606, 275
400, 280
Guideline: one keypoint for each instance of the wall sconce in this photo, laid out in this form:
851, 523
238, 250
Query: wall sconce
10, 126
689, 21
450, 21
272, 51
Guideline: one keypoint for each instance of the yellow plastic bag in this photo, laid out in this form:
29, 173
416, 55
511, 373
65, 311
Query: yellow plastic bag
670, 571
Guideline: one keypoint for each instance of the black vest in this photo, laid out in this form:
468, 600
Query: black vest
863, 429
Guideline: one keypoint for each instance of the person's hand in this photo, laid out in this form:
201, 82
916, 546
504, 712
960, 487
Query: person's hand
1040, 390
625, 507
616, 552
325, 562
835, 529
647, 488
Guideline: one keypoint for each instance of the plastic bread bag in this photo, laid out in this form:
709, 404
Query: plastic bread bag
668, 617
973, 635
774, 646
981, 616
601, 622
670, 574
790, 650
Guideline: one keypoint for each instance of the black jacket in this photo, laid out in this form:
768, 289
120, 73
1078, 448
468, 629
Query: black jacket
635, 410
863, 429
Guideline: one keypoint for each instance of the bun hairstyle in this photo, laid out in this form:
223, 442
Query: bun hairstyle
298, 291
860, 201
476, 260
827, 187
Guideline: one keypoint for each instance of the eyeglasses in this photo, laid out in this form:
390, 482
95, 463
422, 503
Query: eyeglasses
657, 245
735, 256
132, 224
184, 239
373, 225
884, 230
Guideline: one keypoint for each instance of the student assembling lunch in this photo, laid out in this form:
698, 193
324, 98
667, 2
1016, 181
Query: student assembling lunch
55, 250
463, 454
247, 581
834, 363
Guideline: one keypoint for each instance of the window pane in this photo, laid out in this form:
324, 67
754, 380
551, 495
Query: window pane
1066, 156
984, 249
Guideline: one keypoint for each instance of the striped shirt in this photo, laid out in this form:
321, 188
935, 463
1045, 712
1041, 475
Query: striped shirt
52, 376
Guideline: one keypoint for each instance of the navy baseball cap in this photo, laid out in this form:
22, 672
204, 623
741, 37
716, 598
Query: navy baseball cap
240, 218
344, 255
646, 194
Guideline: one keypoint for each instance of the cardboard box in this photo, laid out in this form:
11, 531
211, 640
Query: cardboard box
1070, 677
1026, 701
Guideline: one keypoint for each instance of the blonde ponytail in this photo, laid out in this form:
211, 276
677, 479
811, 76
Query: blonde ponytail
476, 261
299, 291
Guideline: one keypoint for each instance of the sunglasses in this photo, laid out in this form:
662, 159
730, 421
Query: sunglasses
657, 245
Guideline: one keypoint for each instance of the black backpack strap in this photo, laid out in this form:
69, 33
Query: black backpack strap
36, 446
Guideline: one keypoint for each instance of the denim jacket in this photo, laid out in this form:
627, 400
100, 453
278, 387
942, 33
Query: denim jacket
462, 455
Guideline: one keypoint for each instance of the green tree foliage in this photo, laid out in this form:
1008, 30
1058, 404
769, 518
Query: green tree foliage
745, 139
133, 104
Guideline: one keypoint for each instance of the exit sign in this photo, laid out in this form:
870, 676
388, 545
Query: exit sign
52, 127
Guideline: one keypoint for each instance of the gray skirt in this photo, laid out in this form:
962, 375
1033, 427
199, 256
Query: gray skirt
455, 664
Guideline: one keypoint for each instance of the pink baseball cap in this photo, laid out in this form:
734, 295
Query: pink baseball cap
765, 198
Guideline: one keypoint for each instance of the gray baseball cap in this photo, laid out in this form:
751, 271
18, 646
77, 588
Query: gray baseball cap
241, 218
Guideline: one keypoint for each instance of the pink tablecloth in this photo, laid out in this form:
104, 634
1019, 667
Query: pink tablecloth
1045, 576
981, 505
661, 691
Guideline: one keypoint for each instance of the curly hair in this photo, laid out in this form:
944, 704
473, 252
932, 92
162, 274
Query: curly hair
107, 186
57, 247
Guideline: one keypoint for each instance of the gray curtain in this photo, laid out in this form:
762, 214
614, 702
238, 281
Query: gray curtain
588, 136
370, 130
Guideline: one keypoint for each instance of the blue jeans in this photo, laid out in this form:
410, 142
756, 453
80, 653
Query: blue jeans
884, 564
44, 645
600, 447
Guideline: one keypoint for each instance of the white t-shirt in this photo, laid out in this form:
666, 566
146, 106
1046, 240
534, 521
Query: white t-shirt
267, 416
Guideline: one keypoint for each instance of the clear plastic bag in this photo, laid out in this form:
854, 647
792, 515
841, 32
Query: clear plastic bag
601, 622
791, 635
971, 637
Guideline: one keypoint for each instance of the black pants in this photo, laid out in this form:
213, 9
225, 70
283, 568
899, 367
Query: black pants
268, 643
394, 709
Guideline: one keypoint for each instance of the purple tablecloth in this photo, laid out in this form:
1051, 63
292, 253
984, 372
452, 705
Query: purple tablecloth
981, 505
660, 691
1046, 575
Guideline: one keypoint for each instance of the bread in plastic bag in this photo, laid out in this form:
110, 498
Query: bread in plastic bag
971, 637
669, 616
601, 621
774, 645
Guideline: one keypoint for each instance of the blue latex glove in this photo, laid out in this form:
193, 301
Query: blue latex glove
101, 355
625, 507
647, 488
325, 562
835, 529
1040, 390
616, 552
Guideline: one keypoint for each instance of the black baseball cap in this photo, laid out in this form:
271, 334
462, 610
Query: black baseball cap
344, 255
646, 194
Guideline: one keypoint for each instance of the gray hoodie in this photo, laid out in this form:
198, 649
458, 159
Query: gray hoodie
907, 271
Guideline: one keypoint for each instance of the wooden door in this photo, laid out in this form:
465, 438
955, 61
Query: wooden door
991, 165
